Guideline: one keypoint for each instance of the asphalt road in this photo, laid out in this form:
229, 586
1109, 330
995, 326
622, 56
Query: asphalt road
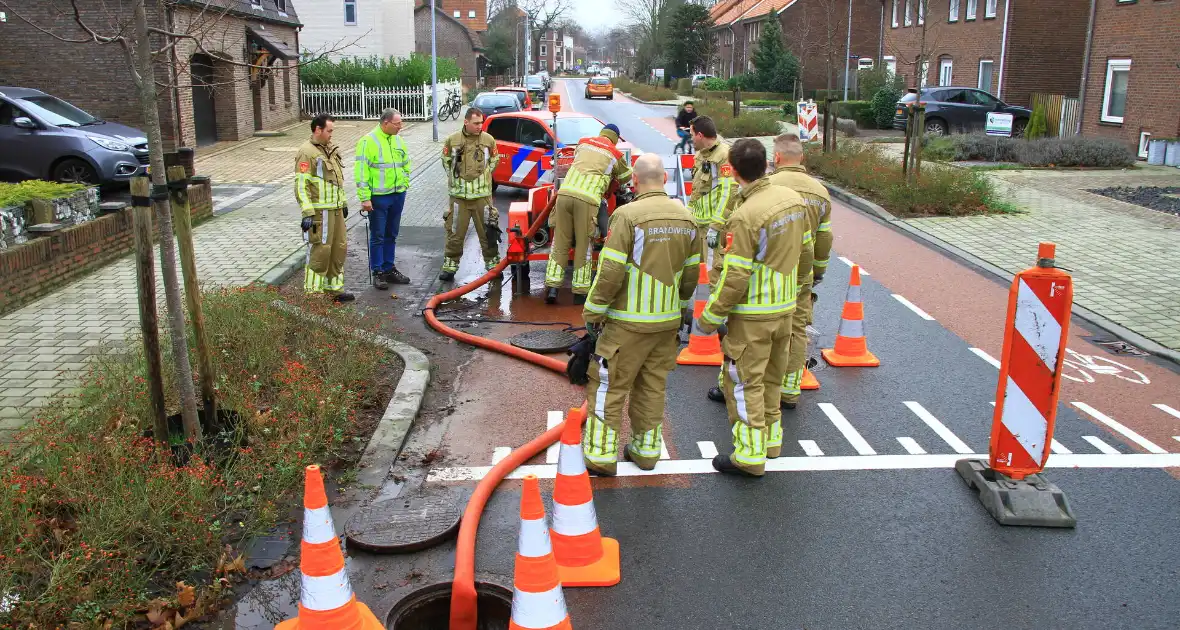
863, 523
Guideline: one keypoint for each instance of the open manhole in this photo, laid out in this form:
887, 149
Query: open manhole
406, 524
544, 341
429, 608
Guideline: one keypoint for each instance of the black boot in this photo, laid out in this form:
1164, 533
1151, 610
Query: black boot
396, 277
722, 464
579, 299
551, 296
788, 405
446, 276
379, 281
716, 395
343, 297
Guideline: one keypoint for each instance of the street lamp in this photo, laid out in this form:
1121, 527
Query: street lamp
433, 74
848, 49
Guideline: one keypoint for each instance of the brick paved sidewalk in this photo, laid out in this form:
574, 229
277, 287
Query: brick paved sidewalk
1122, 256
44, 346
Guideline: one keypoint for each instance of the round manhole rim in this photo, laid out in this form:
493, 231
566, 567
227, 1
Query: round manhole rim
406, 597
362, 537
544, 341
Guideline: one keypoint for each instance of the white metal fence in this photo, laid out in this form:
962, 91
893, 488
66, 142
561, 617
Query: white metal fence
360, 101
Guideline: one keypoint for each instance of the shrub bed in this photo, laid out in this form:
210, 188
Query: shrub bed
17, 194
99, 524
1074, 151
749, 124
643, 91
939, 191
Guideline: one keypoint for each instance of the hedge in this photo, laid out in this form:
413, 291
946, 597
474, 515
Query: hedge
642, 91
1075, 151
412, 71
707, 95
17, 194
749, 124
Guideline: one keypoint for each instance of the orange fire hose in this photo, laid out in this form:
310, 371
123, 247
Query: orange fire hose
464, 609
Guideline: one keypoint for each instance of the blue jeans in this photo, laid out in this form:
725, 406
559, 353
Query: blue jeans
685, 139
384, 223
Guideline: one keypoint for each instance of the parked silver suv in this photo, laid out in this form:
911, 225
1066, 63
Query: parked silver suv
45, 137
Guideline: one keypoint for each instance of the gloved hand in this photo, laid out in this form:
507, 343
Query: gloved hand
581, 353
711, 238
686, 317
306, 224
345, 211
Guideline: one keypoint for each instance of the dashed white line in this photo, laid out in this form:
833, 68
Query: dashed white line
1166, 409
221, 205
911, 446
1100, 445
664, 450
1058, 448
1176, 437
555, 418
708, 450
811, 448
986, 357
938, 427
913, 307
1148, 445
850, 263
850, 433
500, 453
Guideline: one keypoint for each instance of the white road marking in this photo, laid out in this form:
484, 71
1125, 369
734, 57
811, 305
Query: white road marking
986, 357
1147, 444
811, 448
938, 427
1166, 409
913, 307
225, 203
708, 450
911, 446
664, 450
1057, 448
992, 403
500, 453
850, 263
1100, 445
1176, 437
811, 464
850, 433
555, 418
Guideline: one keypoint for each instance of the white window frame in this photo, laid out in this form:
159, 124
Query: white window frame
1144, 138
456, 14
890, 64
909, 13
923, 73
972, 9
1112, 66
979, 77
946, 65
953, 12
355, 16
471, 14
922, 11
989, 8
895, 13
544, 50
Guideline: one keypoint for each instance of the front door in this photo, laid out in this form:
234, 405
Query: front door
256, 93
204, 111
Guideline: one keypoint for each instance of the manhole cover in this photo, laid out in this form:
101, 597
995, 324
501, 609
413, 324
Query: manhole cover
405, 525
545, 341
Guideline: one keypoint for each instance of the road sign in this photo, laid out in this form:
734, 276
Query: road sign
807, 121
999, 124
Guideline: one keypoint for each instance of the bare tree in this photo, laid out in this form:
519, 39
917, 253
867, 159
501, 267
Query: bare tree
544, 15
145, 45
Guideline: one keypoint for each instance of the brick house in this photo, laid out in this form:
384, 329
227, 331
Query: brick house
555, 52
815, 31
207, 93
453, 39
1133, 72
1010, 48
358, 28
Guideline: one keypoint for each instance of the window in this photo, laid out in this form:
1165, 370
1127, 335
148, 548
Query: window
270, 88
531, 130
953, 16
471, 14
1114, 98
922, 11
891, 64
544, 64
909, 13
945, 67
255, 4
456, 14
350, 11
972, 5
503, 129
287, 82
989, 9
1144, 138
9, 112
281, 5
923, 73
950, 96
544, 50
985, 75
895, 13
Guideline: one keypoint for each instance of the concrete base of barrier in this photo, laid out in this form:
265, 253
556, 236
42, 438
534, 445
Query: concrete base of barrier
1032, 501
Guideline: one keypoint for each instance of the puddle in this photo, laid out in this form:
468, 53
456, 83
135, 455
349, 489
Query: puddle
267, 603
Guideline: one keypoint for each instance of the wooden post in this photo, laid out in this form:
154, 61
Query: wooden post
145, 276
917, 171
182, 225
737, 102
835, 117
909, 131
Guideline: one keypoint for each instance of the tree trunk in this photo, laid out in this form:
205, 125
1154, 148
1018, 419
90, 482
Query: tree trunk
146, 84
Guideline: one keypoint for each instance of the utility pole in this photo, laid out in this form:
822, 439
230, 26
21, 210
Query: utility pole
848, 49
528, 44
433, 72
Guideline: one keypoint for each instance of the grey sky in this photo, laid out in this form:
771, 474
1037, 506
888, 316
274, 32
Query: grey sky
592, 15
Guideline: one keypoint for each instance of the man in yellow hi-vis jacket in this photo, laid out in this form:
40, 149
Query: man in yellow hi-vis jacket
319, 188
713, 189
469, 157
382, 179
755, 299
647, 273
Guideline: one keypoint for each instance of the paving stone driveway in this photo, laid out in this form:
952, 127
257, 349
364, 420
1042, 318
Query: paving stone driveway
1123, 257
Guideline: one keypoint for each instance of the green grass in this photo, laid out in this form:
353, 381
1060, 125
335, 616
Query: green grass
19, 193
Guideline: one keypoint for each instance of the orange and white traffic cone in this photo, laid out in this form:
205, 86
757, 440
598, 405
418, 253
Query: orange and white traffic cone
702, 349
584, 556
326, 600
852, 348
537, 600
809, 381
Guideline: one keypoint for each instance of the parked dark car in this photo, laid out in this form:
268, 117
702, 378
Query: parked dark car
496, 103
44, 137
959, 109
537, 90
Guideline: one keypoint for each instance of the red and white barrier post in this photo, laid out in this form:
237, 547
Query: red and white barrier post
1010, 483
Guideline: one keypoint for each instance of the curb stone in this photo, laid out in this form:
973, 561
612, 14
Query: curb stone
1091, 318
390, 435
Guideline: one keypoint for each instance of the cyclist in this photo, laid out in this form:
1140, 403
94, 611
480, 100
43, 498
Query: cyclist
683, 120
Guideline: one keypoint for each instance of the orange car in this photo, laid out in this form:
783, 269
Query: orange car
521, 94
600, 86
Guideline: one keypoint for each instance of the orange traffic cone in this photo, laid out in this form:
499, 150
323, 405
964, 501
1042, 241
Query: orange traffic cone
809, 381
537, 600
702, 349
851, 346
326, 600
584, 556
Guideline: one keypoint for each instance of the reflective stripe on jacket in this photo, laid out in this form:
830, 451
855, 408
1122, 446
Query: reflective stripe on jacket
382, 165
819, 218
649, 267
596, 163
319, 178
713, 187
469, 162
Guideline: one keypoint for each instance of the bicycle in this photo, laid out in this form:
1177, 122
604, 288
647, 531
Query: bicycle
451, 106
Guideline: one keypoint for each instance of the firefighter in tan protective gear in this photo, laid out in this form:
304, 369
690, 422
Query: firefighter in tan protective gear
319, 188
647, 274
817, 247
469, 157
597, 163
713, 188
755, 300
